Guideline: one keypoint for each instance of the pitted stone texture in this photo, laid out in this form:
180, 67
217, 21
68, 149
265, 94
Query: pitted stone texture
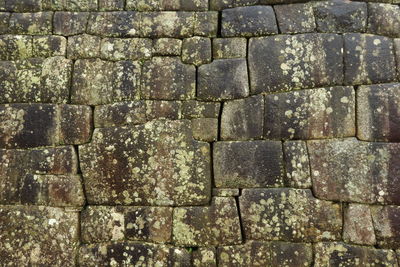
70, 5
206, 24
107, 223
384, 19
287, 62
70, 23
132, 254
17, 167
37, 235
229, 48
368, 59
167, 24
157, 163
97, 82
83, 46
168, 78
111, 5
248, 164
268, 254
243, 119
310, 114
297, 164
223, 79
352, 171
295, 18
120, 114
341, 254
213, 225
13, 47
123, 49
39, 23
196, 50
167, 47
49, 46
114, 24
288, 215
35, 80
378, 112
204, 257
205, 129
34, 125
248, 21
387, 227
197, 109
358, 227
340, 16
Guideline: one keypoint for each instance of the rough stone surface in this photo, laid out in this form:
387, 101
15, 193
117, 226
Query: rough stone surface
114, 24
119, 114
167, 24
205, 256
70, 23
297, 164
124, 49
83, 46
198, 109
295, 18
196, 50
49, 46
384, 19
205, 129
229, 47
205, 24
397, 52
31, 23
167, 47
387, 227
358, 227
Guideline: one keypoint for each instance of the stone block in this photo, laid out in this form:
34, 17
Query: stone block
295, 18
248, 164
225, 192
71, 5
197, 109
204, 257
205, 24
223, 79
119, 114
287, 62
196, 50
235, 47
167, 47
70, 23
13, 47
387, 226
167, 24
39, 23
358, 227
194, 5
384, 19
213, 225
126, 49
83, 46
111, 5
397, 53
243, 119
160, 109
49, 46
152, 5
310, 114
114, 24
4, 22
297, 164
75, 124
205, 129
22, 5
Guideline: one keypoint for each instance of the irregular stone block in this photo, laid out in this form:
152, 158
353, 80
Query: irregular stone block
378, 112
287, 62
213, 225
368, 59
204, 257
156, 109
310, 114
168, 78
83, 46
196, 50
157, 163
229, 48
288, 215
70, 23
49, 46
384, 19
59, 124
295, 18
340, 16
97, 82
225, 192
111, 5
341, 254
206, 24
358, 227
297, 164
114, 24
106, 223
132, 254
167, 24
242, 119
205, 129
50, 236
120, 114
4, 22
248, 21
39, 23
122, 49
197, 109
248, 164
71, 5
22, 5
14, 47
223, 79
167, 47
352, 171
268, 254
387, 226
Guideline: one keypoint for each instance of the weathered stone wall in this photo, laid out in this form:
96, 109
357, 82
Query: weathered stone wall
199, 133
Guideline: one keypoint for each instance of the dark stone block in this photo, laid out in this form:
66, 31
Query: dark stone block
196, 50
295, 18
384, 19
114, 24
167, 24
39, 23
70, 23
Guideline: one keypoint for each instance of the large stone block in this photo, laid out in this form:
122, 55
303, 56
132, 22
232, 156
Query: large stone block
310, 114
167, 24
378, 112
123, 49
248, 164
352, 171
70, 23
288, 215
214, 225
21, 5
168, 78
387, 226
295, 18
358, 227
368, 59
41, 236
114, 24
384, 19
39, 23
98, 82
287, 62
157, 163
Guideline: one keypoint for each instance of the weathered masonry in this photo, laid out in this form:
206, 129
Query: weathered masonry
200, 133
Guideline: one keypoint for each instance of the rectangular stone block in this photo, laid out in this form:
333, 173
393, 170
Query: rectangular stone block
13, 47
387, 226
124, 49
384, 19
114, 24
83, 46
75, 124
213, 225
39, 23
197, 109
160, 109
368, 59
196, 50
157, 163
229, 47
71, 5
167, 47
358, 227
70, 23
22, 5
378, 112
289, 215
49, 46
167, 24
295, 18
297, 164
111, 5
205, 129
248, 164
352, 171
287, 62
310, 114
205, 24
120, 114
50, 236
